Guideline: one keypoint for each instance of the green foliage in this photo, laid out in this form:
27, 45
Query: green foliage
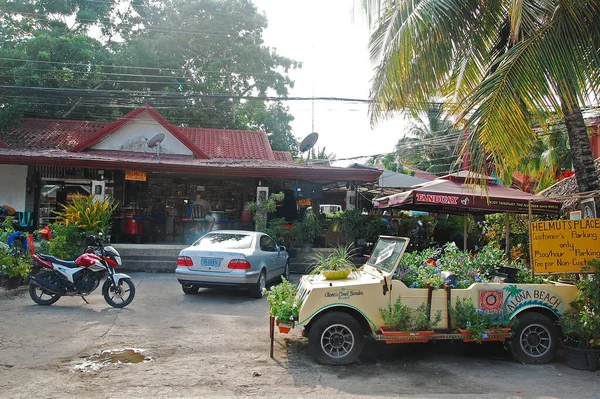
67, 241
352, 224
88, 214
277, 228
375, 228
148, 46
466, 317
581, 323
339, 259
260, 209
7, 229
282, 302
400, 317
14, 265
308, 229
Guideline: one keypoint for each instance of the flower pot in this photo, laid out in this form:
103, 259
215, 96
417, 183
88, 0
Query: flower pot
582, 359
10, 283
284, 328
336, 274
504, 332
406, 336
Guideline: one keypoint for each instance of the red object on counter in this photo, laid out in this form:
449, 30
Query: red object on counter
133, 226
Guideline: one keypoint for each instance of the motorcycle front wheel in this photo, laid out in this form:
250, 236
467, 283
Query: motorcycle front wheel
40, 296
120, 296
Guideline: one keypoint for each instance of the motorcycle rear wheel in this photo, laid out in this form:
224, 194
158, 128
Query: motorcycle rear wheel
120, 297
42, 297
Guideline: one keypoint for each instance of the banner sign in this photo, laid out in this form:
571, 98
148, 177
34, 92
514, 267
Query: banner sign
135, 175
564, 246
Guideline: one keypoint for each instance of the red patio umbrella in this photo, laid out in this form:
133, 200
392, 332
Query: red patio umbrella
451, 194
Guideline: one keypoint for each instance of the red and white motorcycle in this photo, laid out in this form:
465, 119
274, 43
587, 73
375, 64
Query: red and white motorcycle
52, 278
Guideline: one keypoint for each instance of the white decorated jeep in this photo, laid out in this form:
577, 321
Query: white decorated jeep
337, 315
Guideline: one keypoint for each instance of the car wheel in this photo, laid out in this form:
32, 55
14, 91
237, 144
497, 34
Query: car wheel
189, 289
535, 340
286, 271
257, 290
336, 338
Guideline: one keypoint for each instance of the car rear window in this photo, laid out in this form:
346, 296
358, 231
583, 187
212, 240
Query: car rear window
224, 241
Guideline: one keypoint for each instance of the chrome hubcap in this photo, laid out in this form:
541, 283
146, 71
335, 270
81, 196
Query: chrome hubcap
337, 341
535, 340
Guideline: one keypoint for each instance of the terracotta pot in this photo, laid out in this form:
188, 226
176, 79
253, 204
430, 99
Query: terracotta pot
493, 331
284, 328
407, 337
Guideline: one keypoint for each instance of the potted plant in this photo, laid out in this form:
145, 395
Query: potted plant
401, 320
261, 209
581, 323
335, 266
283, 305
307, 230
353, 226
13, 267
476, 325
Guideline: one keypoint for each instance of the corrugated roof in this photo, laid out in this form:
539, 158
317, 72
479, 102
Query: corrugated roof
107, 159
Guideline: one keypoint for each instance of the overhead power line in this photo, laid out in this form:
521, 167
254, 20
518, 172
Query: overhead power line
160, 94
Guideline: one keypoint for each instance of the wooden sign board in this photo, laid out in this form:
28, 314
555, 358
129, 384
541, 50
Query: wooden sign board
135, 175
564, 246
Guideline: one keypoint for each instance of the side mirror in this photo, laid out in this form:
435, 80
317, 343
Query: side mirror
280, 248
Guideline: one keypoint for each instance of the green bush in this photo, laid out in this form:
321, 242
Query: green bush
400, 317
308, 229
14, 265
67, 242
282, 302
352, 225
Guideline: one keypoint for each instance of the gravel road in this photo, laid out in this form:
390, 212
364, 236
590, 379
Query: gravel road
215, 344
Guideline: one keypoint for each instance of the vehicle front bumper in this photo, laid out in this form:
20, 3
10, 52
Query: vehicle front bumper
241, 279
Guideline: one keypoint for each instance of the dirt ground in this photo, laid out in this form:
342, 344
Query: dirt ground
215, 344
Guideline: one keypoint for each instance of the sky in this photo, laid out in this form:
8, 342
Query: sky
330, 38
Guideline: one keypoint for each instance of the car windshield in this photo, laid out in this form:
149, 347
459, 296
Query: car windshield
386, 253
224, 241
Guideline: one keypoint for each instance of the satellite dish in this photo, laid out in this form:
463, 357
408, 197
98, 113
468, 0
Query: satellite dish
309, 142
156, 140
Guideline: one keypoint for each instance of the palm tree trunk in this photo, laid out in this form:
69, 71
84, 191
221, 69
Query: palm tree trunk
583, 160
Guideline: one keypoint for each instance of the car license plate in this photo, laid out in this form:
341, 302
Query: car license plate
210, 262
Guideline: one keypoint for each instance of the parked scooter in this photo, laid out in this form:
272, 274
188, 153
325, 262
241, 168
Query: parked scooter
52, 278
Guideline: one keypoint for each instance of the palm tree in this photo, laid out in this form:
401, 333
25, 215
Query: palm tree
431, 142
505, 65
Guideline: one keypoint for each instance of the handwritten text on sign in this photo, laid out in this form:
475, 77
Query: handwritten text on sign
564, 246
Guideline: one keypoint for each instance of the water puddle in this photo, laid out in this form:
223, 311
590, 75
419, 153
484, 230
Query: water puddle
109, 358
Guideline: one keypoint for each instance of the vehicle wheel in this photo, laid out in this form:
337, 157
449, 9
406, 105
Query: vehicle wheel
535, 340
257, 290
189, 289
121, 296
286, 271
336, 338
42, 297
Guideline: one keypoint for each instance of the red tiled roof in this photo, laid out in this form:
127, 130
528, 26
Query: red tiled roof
3, 144
284, 156
44, 134
57, 134
238, 144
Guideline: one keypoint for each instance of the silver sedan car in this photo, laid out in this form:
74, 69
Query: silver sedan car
232, 258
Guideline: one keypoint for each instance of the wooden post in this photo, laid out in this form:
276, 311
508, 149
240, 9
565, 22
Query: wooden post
464, 231
271, 333
507, 235
530, 235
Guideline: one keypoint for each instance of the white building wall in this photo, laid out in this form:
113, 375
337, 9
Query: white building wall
13, 186
133, 135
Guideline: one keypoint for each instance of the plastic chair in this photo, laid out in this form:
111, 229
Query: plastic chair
24, 219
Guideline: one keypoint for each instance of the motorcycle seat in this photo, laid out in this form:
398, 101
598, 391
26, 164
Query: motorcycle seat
52, 259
